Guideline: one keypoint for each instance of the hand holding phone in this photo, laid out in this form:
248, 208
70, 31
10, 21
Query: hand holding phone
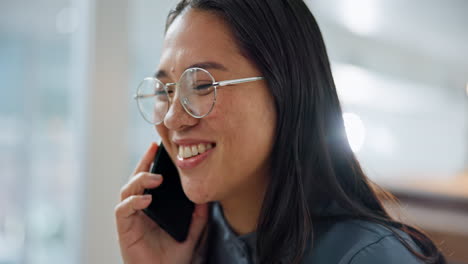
141, 239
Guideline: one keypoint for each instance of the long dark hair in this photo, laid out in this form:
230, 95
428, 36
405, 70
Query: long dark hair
311, 161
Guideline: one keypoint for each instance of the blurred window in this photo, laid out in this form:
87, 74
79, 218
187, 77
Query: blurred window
38, 199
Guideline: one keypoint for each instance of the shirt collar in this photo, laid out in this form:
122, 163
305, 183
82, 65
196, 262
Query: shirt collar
227, 246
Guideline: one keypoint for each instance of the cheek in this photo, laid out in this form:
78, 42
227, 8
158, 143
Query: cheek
246, 127
255, 128
162, 131
243, 128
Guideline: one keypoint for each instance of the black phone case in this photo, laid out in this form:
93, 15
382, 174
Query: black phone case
170, 208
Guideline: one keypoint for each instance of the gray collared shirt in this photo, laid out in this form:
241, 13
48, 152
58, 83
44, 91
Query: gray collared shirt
226, 246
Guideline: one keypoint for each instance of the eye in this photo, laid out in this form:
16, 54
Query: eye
160, 95
170, 90
202, 87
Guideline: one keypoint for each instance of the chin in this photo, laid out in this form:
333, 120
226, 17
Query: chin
196, 191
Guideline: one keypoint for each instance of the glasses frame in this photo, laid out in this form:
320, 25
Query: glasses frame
183, 100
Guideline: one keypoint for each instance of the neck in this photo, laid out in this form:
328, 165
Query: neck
242, 210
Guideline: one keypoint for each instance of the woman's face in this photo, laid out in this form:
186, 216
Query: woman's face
241, 125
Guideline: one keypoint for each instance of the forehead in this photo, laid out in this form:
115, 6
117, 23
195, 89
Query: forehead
196, 36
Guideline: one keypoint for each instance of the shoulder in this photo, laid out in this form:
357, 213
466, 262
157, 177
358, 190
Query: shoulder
359, 242
387, 250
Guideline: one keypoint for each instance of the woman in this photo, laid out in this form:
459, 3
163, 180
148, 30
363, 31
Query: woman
276, 180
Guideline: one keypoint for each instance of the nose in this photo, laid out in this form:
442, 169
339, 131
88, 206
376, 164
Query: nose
176, 117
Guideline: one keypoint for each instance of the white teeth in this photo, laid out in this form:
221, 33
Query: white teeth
193, 150
201, 148
181, 152
187, 152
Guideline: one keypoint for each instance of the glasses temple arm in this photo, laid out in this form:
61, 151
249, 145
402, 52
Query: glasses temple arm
237, 81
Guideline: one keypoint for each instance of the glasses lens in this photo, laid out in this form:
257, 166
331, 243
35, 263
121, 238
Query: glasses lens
152, 99
196, 91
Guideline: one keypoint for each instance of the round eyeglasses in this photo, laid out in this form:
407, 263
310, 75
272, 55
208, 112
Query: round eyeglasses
196, 89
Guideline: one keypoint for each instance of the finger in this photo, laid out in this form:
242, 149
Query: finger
199, 220
131, 205
142, 181
145, 163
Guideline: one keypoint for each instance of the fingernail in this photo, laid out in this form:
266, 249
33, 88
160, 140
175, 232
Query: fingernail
156, 176
147, 197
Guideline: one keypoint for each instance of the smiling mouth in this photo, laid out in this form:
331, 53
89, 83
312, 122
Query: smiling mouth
189, 151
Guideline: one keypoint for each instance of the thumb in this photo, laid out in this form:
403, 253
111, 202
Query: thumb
199, 220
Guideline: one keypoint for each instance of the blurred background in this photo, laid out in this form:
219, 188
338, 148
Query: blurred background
70, 132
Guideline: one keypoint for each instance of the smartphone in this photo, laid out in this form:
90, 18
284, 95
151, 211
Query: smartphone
170, 208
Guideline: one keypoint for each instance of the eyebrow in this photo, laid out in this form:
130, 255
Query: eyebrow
204, 65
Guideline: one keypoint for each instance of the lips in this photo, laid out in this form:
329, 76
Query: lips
193, 162
192, 152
